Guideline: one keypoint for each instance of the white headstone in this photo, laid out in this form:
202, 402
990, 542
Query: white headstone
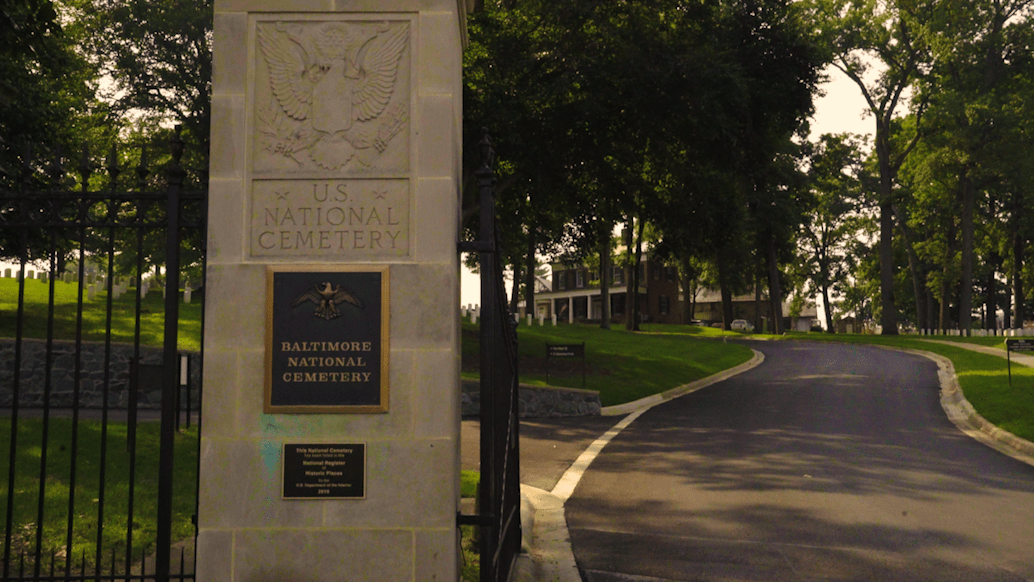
186, 295
553, 318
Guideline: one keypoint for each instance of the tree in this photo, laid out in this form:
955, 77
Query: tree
971, 89
877, 45
833, 173
158, 54
47, 113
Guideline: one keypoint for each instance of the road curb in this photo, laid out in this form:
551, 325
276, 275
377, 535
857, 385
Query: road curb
650, 401
966, 418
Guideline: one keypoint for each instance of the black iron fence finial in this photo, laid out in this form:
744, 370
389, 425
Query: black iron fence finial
175, 168
485, 150
141, 169
85, 168
112, 167
56, 170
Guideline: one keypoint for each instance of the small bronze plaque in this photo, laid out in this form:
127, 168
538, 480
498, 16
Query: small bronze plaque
326, 339
325, 471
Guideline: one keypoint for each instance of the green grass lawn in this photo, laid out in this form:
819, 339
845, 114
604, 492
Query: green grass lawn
87, 489
983, 378
623, 366
152, 315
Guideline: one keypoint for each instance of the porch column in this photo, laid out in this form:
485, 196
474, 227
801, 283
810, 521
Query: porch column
570, 310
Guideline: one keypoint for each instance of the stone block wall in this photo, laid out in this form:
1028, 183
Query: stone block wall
539, 401
34, 362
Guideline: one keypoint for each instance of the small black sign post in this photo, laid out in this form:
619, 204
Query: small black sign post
565, 351
1015, 345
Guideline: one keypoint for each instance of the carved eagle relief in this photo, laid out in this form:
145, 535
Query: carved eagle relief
331, 86
327, 297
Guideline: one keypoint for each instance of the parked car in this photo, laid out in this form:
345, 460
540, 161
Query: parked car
742, 325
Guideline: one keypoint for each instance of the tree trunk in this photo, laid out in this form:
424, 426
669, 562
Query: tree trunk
914, 268
635, 275
629, 300
726, 296
1007, 308
946, 283
530, 263
757, 298
828, 308
1017, 280
966, 285
515, 290
991, 299
931, 308
775, 290
888, 313
693, 300
605, 266
687, 294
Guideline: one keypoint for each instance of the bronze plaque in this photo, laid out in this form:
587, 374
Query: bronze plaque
326, 339
325, 471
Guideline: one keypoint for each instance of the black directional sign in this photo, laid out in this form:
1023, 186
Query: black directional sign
1018, 345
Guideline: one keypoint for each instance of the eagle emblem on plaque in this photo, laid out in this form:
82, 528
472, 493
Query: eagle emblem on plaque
332, 85
327, 297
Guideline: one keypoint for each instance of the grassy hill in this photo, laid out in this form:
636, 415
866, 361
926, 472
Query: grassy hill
36, 316
623, 366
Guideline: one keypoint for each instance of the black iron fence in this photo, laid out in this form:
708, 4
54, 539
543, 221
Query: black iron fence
99, 373
499, 518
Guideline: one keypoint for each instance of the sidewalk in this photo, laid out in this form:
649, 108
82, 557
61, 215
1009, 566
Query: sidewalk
1018, 358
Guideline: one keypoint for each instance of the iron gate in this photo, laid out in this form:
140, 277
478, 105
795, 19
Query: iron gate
99, 481
499, 518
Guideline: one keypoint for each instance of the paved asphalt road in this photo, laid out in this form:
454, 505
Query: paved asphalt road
827, 462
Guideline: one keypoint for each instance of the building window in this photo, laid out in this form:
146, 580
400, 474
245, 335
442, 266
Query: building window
656, 270
579, 279
669, 273
663, 305
561, 278
618, 277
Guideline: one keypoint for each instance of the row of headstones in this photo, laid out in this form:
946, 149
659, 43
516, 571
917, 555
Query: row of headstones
1019, 332
474, 312
98, 283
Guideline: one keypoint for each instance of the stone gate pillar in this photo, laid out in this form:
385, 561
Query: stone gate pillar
330, 436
